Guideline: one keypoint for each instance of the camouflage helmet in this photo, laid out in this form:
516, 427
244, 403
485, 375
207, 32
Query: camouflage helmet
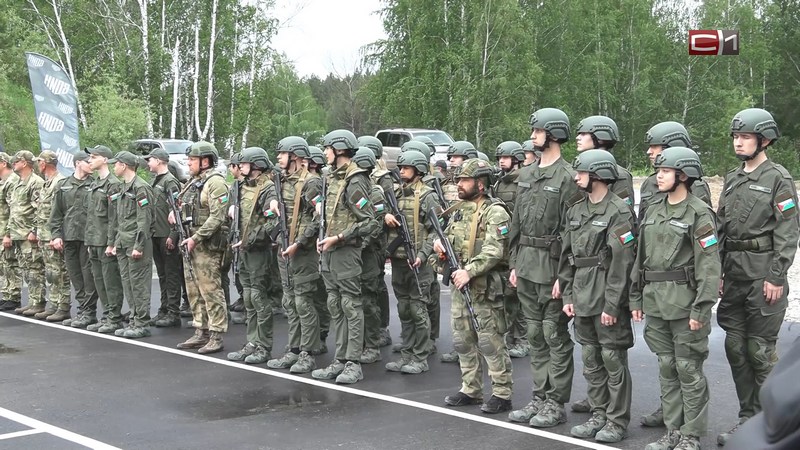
603, 128
365, 158
202, 149
475, 168
316, 155
601, 163
257, 157
462, 148
428, 141
680, 158
340, 140
294, 145
668, 134
372, 143
415, 159
554, 121
513, 149
756, 120
417, 146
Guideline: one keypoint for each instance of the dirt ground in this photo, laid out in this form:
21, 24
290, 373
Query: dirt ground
793, 313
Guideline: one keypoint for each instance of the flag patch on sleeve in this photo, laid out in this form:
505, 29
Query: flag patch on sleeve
223, 199
380, 207
626, 237
362, 203
708, 241
316, 200
114, 197
786, 205
143, 201
268, 213
502, 230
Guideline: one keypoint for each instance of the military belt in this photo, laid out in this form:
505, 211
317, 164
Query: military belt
668, 275
538, 242
586, 261
761, 243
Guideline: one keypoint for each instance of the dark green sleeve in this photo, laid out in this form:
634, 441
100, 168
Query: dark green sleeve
144, 216
357, 188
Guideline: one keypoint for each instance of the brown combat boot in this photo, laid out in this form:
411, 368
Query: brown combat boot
58, 316
199, 339
22, 309
33, 310
44, 314
214, 344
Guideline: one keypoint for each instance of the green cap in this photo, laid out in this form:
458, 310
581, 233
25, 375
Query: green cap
159, 154
126, 158
23, 155
48, 156
101, 150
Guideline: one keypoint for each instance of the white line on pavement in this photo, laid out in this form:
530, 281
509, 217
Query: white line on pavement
38, 425
327, 385
22, 433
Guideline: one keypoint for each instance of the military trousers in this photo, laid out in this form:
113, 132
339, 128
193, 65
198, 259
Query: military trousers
31, 266
434, 306
517, 328
751, 333
343, 285
604, 350
137, 281
206, 298
254, 267
108, 282
76, 259
225, 276
299, 291
684, 388
12, 275
551, 345
274, 286
168, 266
383, 296
370, 276
412, 308
321, 305
55, 273
487, 346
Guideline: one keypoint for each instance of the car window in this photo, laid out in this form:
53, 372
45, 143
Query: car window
395, 140
141, 148
404, 138
383, 137
438, 137
177, 147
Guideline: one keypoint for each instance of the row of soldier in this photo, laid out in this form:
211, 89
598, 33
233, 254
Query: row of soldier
544, 243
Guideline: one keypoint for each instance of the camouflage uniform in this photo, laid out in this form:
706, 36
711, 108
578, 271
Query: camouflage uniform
11, 271
20, 225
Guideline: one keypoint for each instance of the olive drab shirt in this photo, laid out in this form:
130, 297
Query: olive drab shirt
543, 196
677, 269
22, 207
649, 193
478, 231
7, 185
256, 220
134, 214
101, 220
758, 223
163, 185
349, 211
376, 242
44, 200
300, 192
506, 188
415, 201
598, 250
68, 217
204, 200
623, 187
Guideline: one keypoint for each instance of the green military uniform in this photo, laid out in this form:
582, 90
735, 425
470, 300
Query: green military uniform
649, 193
21, 223
12, 274
758, 229
382, 178
373, 258
675, 278
168, 262
68, 223
55, 270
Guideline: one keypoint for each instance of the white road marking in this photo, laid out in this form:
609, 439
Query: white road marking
17, 434
42, 427
327, 385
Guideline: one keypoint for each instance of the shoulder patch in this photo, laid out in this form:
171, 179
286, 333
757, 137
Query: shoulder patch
623, 233
223, 198
502, 229
785, 203
359, 199
706, 236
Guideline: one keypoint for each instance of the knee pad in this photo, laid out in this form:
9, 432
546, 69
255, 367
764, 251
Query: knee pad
489, 343
404, 311
667, 370
351, 307
463, 341
761, 354
554, 333
535, 332
736, 349
303, 306
418, 312
335, 305
690, 371
592, 359
614, 360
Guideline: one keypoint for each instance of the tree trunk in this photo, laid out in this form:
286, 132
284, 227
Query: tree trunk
176, 81
210, 90
68, 58
195, 80
146, 62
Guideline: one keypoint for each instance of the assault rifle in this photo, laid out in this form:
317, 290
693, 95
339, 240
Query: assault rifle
183, 232
236, 233
403, 237
283, 229
322, 221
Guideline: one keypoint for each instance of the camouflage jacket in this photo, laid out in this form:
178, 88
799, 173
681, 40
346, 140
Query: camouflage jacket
22, 220
205, 200
256, 220
44, 202
7, 185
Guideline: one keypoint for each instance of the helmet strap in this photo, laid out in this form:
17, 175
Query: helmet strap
759, 149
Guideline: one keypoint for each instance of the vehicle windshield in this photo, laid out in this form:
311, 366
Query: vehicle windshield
438, 137
176, 147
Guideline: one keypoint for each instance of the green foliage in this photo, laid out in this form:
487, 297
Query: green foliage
114, 118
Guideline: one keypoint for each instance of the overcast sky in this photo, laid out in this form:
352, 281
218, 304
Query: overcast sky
323, 36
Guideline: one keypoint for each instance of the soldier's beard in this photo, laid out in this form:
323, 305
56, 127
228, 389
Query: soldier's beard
463, 194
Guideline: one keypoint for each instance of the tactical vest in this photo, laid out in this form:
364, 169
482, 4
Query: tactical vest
410, 201
299, 211
192, 199
450, 190
506, 188
337, 213
251, 206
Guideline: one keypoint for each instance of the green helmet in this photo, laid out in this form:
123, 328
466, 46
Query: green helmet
554, 121
668, 134
513, 149
417, 146
483, 156
294, 145
236, 158
428, 141
601, 127
316, 155
756, 120
203, 149
527, 146
340, 140
462, 148
256, 156
373, 143
415, 159
680, 158
598, 162
475, 168
365, 158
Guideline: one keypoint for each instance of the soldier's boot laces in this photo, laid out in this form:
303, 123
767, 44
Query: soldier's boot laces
284, 362
723, 437
213, 345
330, 372
240, 355
688, 442
136, 333
590, 428
581, 406
451, 357
667, 442
370, 355
260, 356
351, 374
33, 310
462, 399
109, 327
525, 414
395, 366
305, 363
414, 367
654, 419
611, 433
199, 339
496, 405
550, 415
